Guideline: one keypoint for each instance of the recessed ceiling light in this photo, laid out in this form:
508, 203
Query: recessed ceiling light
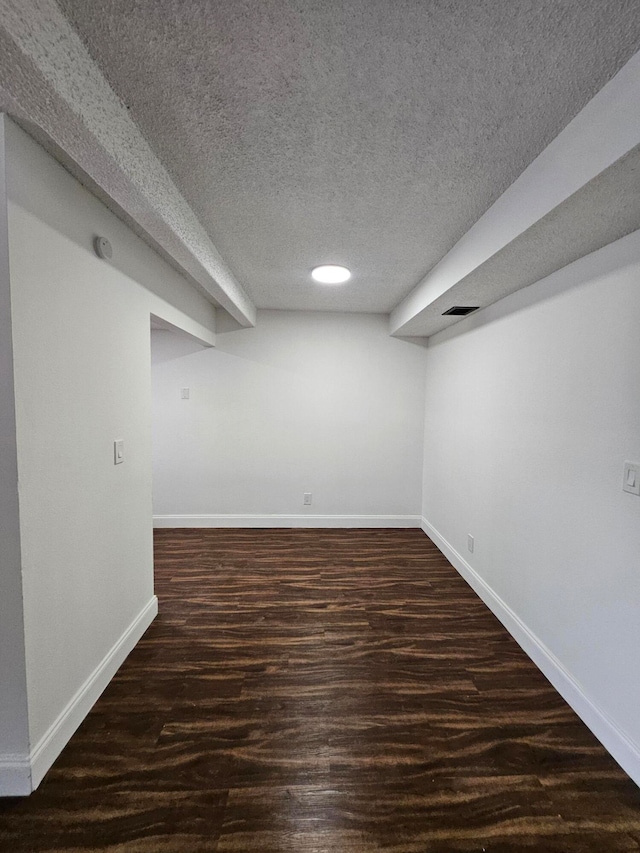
330, 274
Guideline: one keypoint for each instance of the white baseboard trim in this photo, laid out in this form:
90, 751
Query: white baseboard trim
58, 734
15, 776
286, 520
616, 741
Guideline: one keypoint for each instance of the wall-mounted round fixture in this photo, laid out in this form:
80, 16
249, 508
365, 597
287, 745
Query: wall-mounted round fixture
102, 248
330, 274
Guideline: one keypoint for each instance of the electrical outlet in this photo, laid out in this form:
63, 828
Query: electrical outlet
470, 543
307, 499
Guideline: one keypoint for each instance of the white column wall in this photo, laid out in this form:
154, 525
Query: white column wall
14, 731
81, 350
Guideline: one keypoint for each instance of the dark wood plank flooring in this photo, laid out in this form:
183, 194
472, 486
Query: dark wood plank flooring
325, 691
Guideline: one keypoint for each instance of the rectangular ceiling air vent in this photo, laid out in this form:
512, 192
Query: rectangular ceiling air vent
461, 310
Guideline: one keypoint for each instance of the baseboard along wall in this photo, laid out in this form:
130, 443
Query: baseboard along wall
286, 520
20, 775
614, 740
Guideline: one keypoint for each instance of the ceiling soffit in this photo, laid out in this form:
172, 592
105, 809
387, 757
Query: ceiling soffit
579, 194
604, 210
50, 85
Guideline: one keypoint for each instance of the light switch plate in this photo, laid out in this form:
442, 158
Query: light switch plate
631, 479
118, 451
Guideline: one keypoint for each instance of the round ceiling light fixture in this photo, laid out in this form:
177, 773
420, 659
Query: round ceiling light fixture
330, 274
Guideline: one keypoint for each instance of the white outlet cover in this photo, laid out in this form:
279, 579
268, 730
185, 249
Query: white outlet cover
118, 451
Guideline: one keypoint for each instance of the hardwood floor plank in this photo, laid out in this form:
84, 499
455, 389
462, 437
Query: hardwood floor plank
325, 691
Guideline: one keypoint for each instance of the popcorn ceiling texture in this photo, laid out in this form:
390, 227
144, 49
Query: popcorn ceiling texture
49, 79
368, 132
279, 135
602, 211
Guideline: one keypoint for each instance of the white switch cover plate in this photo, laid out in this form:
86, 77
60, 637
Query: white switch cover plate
118, 451
307, 499
184, 393
631, 480
470, 542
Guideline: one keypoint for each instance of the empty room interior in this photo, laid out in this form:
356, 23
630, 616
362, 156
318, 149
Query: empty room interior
320, 426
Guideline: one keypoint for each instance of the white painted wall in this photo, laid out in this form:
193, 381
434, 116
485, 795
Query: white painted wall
305, 402
533, 405
14, 733
81, 350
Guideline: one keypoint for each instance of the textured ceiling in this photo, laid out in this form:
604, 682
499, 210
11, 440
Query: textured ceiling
50, 84
583, 223
372, 133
